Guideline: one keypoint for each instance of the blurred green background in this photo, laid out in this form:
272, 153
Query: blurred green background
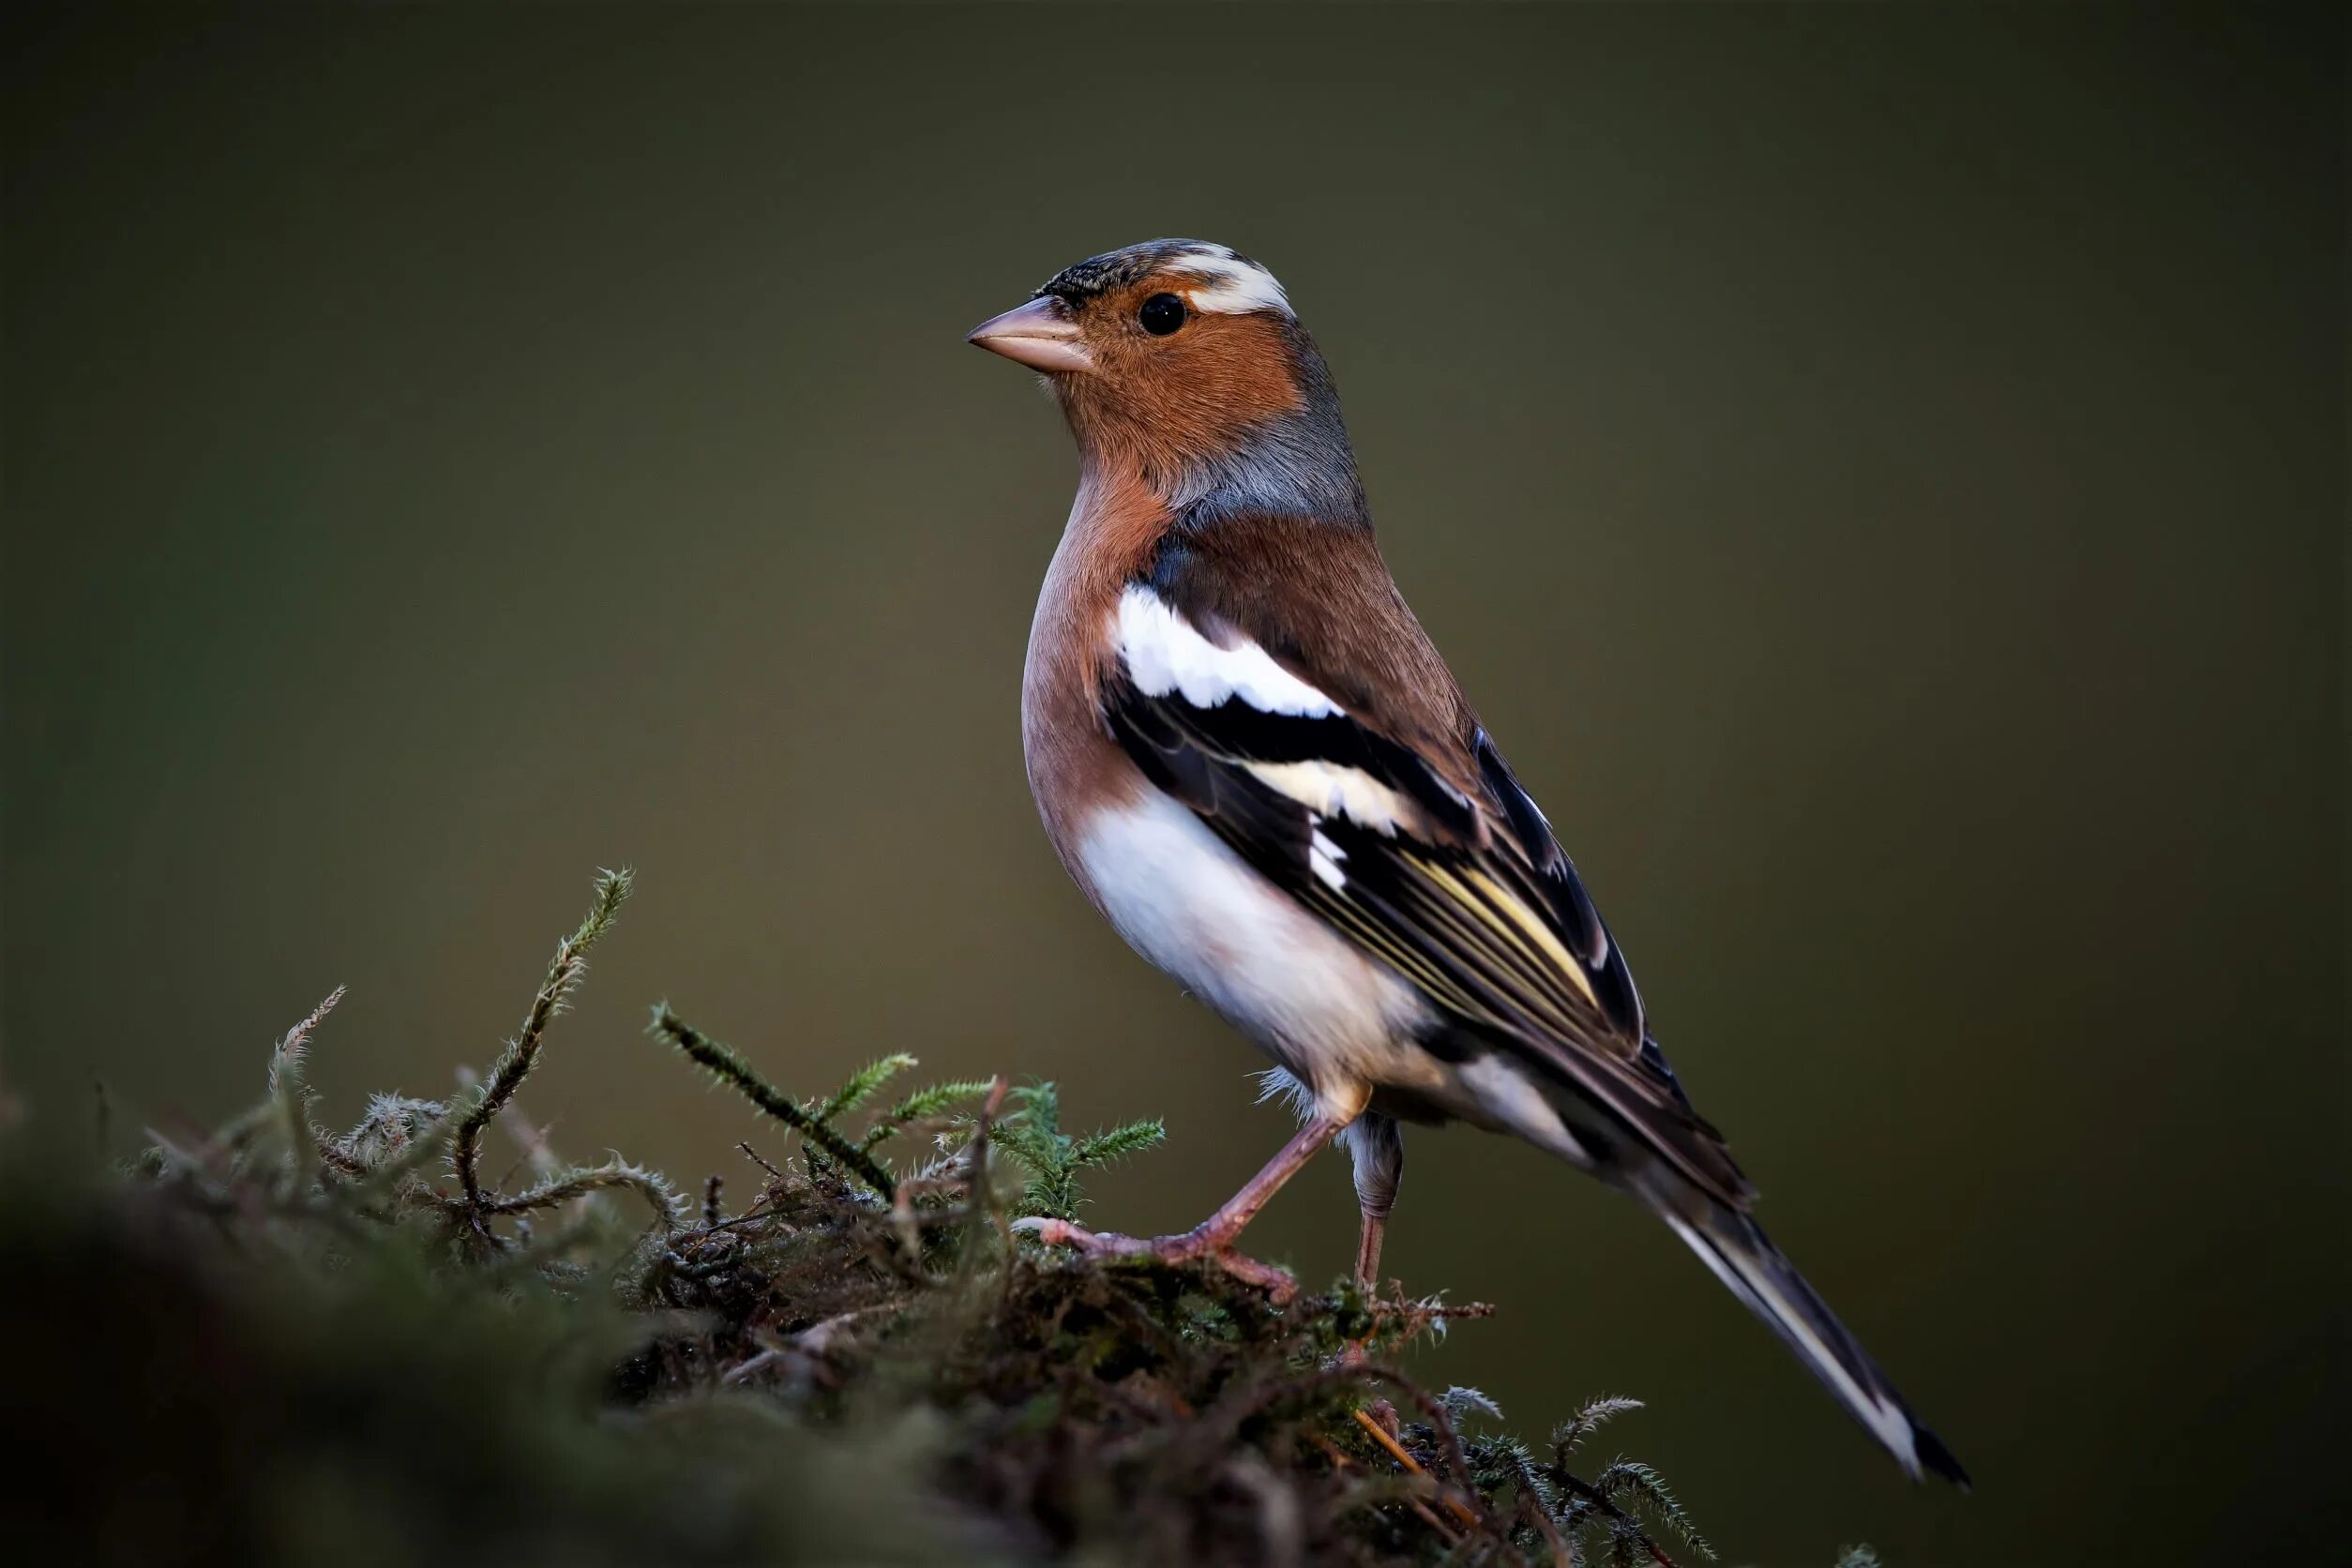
1880, 473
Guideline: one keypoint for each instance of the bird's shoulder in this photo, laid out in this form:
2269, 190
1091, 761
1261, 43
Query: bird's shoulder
1320, 601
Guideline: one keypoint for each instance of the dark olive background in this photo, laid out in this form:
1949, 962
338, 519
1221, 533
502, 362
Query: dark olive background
1880, 474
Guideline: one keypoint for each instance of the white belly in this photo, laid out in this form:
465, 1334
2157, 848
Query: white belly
1337, 1020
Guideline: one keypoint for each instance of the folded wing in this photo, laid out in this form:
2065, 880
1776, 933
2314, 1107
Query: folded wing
1432, 858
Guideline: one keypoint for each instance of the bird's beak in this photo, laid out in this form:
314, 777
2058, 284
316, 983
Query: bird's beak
1040, 334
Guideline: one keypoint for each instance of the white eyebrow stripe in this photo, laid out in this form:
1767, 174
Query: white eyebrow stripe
1236, 287
1164, 654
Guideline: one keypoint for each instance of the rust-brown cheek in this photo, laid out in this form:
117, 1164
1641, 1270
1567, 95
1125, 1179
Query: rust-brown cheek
1158, 406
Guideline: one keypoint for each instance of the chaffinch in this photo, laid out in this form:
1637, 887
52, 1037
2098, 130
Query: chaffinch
1252, 759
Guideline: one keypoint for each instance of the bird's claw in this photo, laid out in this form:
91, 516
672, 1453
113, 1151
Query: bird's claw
1191, 1247
1094, 1244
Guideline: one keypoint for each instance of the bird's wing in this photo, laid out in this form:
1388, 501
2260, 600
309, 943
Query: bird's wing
1394, 821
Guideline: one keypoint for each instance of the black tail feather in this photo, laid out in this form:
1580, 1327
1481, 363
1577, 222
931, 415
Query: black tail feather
1745, 1258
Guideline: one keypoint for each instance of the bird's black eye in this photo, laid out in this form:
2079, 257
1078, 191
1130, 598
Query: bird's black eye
1162, 314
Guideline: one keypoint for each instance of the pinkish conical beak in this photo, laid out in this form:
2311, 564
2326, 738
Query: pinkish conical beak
1040, 334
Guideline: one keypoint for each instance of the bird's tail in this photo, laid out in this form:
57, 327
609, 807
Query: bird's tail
1745, 1258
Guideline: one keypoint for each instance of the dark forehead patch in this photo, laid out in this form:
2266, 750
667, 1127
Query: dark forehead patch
1117, 269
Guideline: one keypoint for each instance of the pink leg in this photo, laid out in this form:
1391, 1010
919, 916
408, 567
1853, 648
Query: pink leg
1368, 1251
1214, 1237
1382, 1414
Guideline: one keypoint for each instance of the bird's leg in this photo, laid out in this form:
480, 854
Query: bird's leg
1212, 1237
1368, 1281
1381, 1413
1368, 1249
1379, 1151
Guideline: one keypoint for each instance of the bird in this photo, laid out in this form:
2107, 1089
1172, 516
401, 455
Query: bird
1256, 765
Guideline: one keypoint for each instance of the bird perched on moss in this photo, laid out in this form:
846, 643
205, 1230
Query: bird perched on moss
1251, 758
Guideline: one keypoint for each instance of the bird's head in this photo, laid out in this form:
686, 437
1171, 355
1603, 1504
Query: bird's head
1185, 360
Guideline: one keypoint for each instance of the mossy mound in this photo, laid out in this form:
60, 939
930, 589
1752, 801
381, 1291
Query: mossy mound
286, 1345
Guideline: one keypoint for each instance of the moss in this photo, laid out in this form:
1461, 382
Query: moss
288, 1345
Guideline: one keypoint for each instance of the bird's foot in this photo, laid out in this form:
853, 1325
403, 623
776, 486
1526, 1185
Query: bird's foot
1202, 1245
